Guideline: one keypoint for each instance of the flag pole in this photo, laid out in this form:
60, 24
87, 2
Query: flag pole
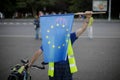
82, 13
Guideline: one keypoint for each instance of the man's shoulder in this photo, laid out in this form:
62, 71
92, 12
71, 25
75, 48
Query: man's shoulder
73, 34
73, 37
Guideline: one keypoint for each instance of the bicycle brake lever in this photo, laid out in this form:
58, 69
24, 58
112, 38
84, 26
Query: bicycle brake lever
24, 61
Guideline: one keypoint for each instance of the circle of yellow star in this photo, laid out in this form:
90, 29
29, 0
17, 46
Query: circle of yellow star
47, 37
52, 26
53, 46
58, 47
49, 42
48, 31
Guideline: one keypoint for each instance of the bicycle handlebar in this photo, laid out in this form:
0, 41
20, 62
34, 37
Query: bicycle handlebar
25, 62
39, 67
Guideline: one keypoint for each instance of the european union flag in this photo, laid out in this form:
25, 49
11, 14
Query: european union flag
55, 31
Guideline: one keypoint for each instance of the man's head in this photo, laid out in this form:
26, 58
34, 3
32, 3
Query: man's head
40, 13
36, 17
88, 14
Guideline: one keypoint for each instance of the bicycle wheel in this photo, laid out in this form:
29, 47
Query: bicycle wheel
12, 77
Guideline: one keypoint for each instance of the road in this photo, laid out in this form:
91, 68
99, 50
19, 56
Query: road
97, 59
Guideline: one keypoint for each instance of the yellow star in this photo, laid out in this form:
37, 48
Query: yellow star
49, 42
63, 25
48, 31
58, 47
67, 41
47, 37
66, 29
68, 35
57, 24
52, 26
53, 46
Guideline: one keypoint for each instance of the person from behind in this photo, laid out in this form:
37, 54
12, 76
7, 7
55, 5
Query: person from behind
37, 24
90, 24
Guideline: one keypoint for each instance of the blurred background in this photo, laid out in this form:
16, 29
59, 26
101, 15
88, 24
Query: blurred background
97, 58
29, 8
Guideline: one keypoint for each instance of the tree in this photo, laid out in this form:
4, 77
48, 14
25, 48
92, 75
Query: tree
80, 5
33, 5
7, 7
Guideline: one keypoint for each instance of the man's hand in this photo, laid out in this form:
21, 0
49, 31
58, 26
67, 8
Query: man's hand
88, 14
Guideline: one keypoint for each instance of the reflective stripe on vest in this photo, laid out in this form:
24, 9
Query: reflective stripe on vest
71, 59
51, 69
72, 63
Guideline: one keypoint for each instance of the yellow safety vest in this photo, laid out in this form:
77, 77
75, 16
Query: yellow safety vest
90, 22
71, 59
21, 69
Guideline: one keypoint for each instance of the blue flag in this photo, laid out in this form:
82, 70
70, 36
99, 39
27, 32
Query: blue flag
55, 31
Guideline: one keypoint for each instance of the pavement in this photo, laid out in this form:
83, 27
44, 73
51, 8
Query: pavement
97, 58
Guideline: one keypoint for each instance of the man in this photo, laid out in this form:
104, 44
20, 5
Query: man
62, 70
36, 23
90, 27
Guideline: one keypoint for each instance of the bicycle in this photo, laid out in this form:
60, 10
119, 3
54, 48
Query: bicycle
20, 72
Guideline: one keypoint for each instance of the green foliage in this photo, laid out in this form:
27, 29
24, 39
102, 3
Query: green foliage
80, 5
9, 7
